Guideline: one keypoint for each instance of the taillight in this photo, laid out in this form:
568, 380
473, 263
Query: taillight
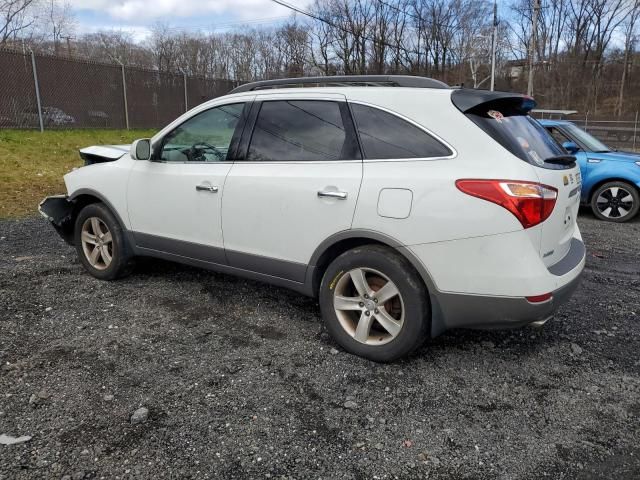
531, 203
539, 298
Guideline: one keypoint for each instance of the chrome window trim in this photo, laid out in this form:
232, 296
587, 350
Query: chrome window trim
454, 152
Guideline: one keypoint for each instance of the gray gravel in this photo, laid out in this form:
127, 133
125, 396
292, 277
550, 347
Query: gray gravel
240, 380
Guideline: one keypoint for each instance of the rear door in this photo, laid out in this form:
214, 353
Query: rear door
297, 184
560, 227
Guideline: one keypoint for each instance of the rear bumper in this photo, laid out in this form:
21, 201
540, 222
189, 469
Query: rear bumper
464, 310
484, 312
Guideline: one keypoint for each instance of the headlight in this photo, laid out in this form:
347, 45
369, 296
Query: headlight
638, 163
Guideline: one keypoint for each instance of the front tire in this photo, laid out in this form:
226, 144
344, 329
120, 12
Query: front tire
100, 243
374, 303
615, 202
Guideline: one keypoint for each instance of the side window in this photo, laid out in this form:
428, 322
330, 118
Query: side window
384, 136
301, 130
203, 138
559, 136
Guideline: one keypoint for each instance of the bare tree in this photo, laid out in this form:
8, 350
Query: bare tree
59, 21
630, 38
15, 19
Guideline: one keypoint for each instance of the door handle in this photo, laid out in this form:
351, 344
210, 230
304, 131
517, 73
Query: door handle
206, 188
332, 194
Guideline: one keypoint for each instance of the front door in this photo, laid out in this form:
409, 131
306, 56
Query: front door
174, 200
297, 185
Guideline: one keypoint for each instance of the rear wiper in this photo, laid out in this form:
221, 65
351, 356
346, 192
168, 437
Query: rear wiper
561, 160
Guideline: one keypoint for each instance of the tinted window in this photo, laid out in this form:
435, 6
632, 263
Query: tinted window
558, 136
383, 135
301, 130
514, 129
587, 139
203, 138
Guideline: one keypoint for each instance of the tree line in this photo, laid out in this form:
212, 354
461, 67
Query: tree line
583, 52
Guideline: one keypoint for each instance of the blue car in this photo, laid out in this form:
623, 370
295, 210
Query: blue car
610, 178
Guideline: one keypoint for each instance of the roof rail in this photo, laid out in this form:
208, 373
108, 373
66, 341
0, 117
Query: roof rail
344, 81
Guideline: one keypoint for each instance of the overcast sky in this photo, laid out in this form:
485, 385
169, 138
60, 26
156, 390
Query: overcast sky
138, 15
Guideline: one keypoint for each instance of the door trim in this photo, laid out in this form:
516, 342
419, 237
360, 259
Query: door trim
182, 248
271, 267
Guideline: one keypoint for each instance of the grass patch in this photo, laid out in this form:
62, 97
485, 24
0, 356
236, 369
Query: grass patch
32, 163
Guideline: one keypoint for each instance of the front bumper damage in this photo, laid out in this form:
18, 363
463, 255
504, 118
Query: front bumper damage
59, 210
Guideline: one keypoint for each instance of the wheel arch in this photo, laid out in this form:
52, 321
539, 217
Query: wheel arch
606, 180
77, 201
340, 242
85, 196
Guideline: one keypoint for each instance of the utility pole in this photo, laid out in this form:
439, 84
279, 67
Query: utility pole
533, 46
494, 41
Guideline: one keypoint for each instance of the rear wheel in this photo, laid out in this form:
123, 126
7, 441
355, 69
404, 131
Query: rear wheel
100, 243
615, 202
374, 303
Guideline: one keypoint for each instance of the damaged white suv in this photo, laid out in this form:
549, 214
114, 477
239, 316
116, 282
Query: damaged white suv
407, 207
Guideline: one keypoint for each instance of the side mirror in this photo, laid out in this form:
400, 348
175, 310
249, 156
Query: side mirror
570, 147
141, 149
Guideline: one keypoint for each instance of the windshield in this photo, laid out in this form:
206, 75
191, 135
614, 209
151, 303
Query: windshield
516, 131
586, 139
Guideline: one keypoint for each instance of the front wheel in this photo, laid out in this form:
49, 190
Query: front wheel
615, 202
100, 243
374, 303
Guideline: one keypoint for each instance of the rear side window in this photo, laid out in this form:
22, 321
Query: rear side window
311, 130
515, 130
386, 136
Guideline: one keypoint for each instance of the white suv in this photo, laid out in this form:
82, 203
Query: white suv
407, 207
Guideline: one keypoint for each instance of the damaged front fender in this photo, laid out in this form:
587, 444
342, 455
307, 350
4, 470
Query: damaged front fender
59, 210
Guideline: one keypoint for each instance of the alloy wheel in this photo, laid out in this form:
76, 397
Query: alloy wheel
369, 306
614, 202
97, 243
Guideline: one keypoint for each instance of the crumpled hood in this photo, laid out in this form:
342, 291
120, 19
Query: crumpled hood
103, 153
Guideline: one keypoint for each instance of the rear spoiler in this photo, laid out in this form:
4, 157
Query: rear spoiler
466, 99
103, 153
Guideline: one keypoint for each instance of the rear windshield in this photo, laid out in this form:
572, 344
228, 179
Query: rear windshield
516, 131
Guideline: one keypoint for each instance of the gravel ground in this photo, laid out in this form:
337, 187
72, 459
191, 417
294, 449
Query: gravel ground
240, 380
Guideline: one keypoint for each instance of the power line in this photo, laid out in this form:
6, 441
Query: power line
346, 30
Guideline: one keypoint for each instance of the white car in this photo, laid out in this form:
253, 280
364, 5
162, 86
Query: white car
407, 207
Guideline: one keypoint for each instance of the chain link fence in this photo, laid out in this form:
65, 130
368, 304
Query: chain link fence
50, 92
619, 135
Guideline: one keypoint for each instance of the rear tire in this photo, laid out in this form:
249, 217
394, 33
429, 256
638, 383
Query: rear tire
374, 303
100, 243
615, 202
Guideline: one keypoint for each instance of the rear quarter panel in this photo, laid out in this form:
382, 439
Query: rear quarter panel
439, 211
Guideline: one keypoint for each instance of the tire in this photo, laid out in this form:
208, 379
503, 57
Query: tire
395, 325
615, 202
111, 258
